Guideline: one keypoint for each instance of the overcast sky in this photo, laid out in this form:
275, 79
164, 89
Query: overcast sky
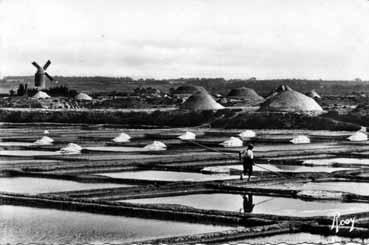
314, 39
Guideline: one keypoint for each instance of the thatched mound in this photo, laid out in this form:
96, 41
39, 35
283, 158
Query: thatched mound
313, 94
245, 94
201, 101
278, 90
188, 89
290, 101
82, 96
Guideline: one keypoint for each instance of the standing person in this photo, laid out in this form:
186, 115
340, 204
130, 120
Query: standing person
247, 158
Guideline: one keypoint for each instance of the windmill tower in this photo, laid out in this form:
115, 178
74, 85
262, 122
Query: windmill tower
40, 81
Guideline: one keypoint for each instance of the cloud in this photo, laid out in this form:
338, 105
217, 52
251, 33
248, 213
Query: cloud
172, 38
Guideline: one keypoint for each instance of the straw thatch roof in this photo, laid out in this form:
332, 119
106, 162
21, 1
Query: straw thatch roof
313, 94
82, 96
201, 101
245, 94
290, 101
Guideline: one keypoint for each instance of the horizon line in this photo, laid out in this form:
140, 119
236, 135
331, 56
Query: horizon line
136, 78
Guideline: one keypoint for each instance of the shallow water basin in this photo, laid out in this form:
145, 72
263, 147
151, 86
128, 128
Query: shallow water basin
262, 204
299, 238
352, 187
359, 188
338, 161
24, 144
42, 185
28, 153
32, 225
167, 175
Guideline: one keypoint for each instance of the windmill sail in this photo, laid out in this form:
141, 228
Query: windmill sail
40, 74
47, 64
36, 65
48, 76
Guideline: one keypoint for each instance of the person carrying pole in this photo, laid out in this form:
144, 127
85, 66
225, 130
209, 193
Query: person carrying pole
246, 156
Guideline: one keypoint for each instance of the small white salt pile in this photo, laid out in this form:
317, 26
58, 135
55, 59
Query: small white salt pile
45, 140
41, 95
247, 134
83, 96
123, 137
300, 139
187, 136
71, 148
46, 131
358, 136
232, 142
156, 146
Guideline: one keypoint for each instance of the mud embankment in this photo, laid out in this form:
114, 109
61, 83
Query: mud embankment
227, 118
351, 117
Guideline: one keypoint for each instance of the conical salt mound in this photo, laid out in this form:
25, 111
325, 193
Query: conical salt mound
123, 137
232, 142
71, 148
156, 146
290, 101
358, 136
82, 96
41, 95
313, 94
247, 134
201, 101
246, 94
45, 140
300, 139
187, 136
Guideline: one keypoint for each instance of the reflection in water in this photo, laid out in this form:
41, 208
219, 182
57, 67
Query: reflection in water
248, 204
262, 204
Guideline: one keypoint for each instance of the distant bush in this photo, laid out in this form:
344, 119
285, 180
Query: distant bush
22, 89
62, 91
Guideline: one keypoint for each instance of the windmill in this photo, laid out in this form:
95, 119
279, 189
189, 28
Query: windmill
40, 74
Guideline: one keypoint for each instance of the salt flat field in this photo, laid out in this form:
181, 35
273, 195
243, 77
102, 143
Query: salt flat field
116, 192
184, 122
